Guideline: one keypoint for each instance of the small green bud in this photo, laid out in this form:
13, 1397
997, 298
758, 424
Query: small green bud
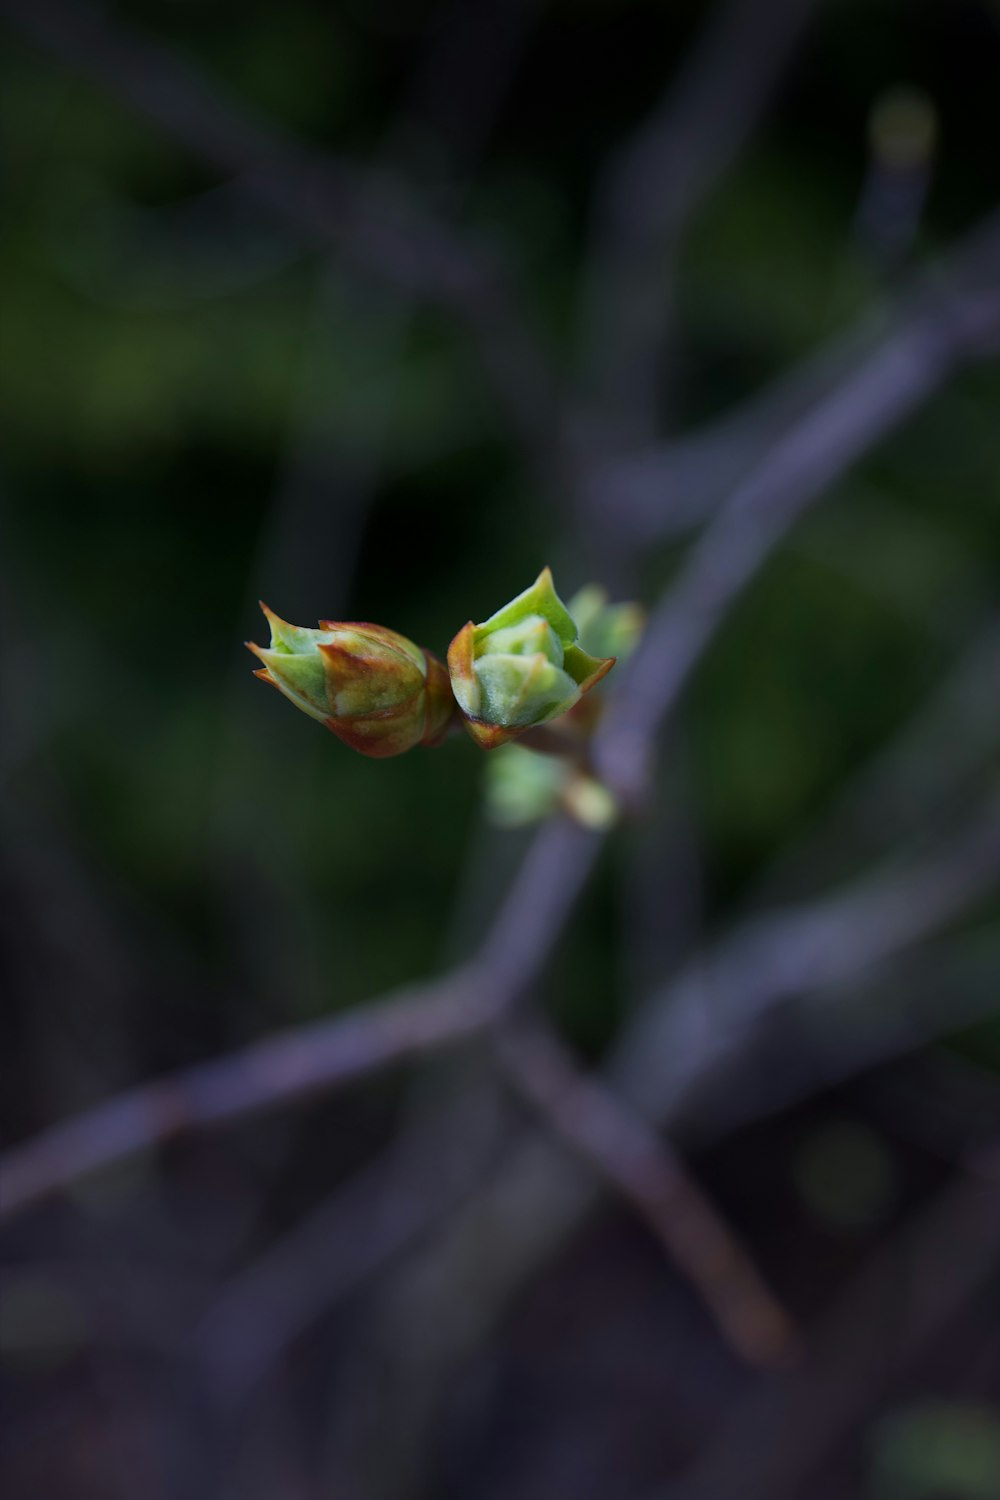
591, 803
374, 689
521, 667
606, 629
523, 786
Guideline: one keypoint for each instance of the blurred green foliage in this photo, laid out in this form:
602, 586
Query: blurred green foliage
938, 1450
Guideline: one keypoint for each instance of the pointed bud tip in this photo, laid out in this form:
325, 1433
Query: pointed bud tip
275, 621
606, 663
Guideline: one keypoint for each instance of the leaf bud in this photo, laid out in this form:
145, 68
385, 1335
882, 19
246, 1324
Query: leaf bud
521, 667
606, 629
373, 688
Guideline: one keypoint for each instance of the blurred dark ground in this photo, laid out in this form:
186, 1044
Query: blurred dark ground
201, 407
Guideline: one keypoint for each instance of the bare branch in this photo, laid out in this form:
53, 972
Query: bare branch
242, 1084
329, 1054
951, 312
351, 1237
647, 1173
661, 492
695, 1027
701, 1019
905, 1297
940, 333
842, 1031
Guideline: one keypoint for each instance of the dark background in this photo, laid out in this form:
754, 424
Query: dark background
207, 399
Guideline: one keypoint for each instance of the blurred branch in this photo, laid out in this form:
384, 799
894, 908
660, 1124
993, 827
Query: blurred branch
645, 1171
663, 492
294, 1065
941, 331
704, 1016
350, 1238
330, 1053
370, 216
213, 243
948, 316
693, 1028
906, 1296
656, 183
836, 1033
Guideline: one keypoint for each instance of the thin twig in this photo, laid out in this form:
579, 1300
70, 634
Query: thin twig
907, 1295
348, 1240
693, 1029
838, 1032
700, 1020
646, 1171
660, 492
903, 371
949, 312
327, 1054
242, 1084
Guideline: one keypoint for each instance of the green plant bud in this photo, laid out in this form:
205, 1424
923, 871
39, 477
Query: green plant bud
521, 667
523, 786
374, 689
590, 802
606, 629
